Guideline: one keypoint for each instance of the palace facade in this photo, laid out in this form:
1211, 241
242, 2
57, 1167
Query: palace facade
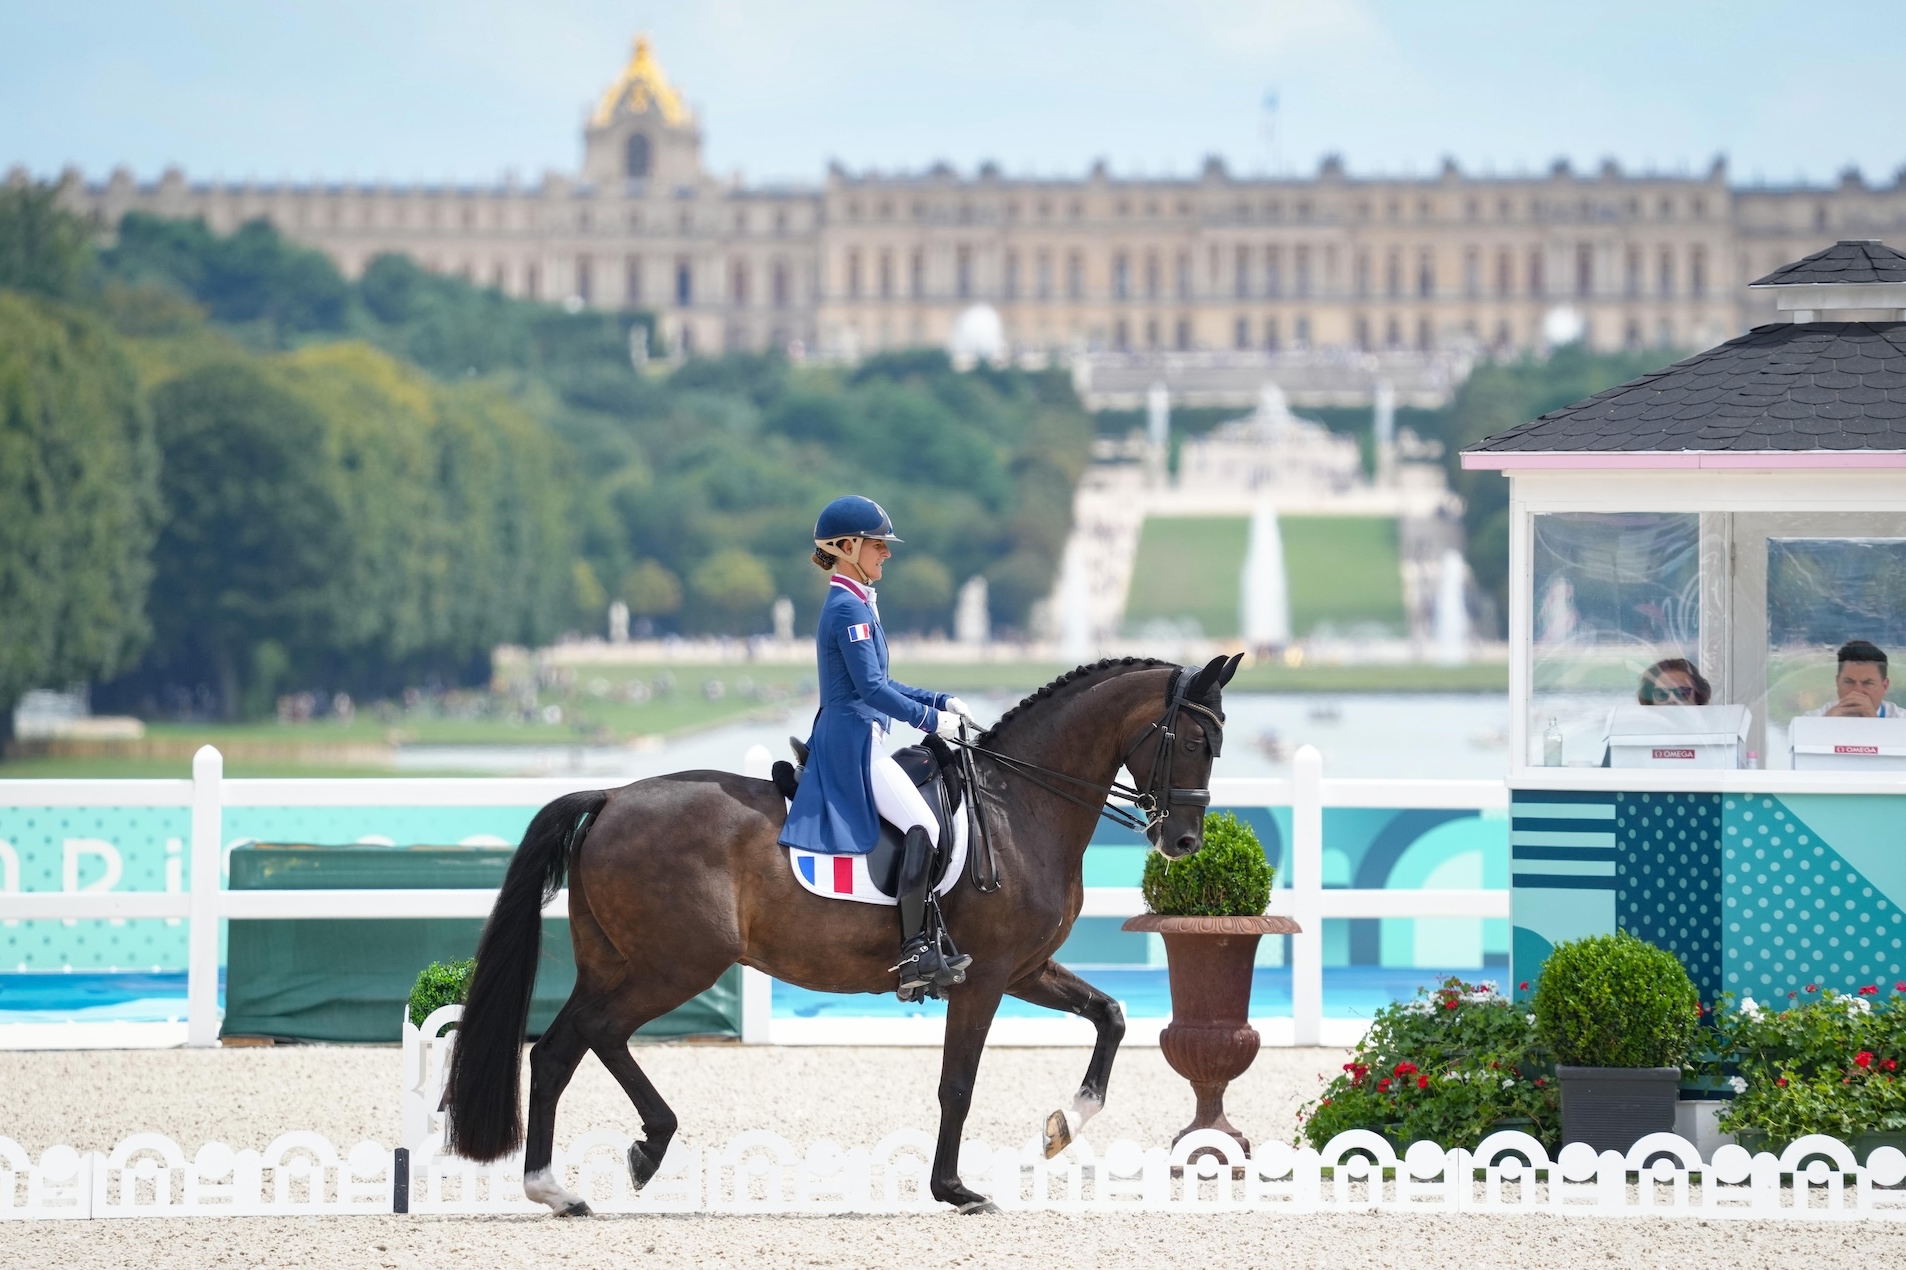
868, 261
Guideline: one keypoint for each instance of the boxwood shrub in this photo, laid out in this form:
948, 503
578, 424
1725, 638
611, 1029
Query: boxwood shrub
1227, 877
439, 984
1616, 1001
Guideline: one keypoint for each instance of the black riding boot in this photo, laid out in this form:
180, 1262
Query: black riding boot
922, 965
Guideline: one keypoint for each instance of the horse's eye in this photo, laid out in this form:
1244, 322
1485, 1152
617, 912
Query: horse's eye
1191, 747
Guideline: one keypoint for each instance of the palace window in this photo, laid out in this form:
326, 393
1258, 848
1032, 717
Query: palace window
1241, 334
1011, 281
1631, 337
1584, 270
1505, 273
1393, 274
1184, 275
585, 280
1425, 339
781, 284
1075, 275
1151, 275
1151, 333
1121, 336
1631, 274
1360, 269
780, 223
1183, 339
532, 282
1303, 331
1426, 274
1472, 272
853, 275
917, 267
1273, 271
738, 279
1121, 277
886, 275
632, 279
1042, 275
1697, 271
963, 272
1664, 273
1241, 272
1270, 334
635, 157
1303, 271
1535, 271
1362, 328
684, 282
1393, 334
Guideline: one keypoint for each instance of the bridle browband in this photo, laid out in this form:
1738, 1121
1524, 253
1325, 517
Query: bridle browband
1149, 806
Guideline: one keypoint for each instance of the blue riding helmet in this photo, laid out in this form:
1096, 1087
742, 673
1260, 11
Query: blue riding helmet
852, 516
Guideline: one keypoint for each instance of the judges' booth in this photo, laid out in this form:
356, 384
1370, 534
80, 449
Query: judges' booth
1688, 554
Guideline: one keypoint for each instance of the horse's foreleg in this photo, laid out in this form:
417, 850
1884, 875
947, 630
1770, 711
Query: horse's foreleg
552, 1061
1057, 988
969, 1016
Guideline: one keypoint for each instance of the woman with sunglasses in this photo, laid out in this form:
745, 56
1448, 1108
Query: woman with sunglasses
1673, 681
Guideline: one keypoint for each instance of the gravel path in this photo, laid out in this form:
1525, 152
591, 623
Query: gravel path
244, 1097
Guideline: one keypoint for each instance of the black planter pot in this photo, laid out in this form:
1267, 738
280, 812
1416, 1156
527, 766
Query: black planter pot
1611, 1108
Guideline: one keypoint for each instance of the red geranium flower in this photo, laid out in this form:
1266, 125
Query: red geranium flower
1863, 1059
1405, 1068
1813, 987
1899, 987
1450, 1003
1539, 1082
1891, 1064
1870, 990
1422, 1082
1384, 1083
1523, 986
1782, 1082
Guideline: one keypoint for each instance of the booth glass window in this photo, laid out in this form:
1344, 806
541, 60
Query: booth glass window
1615, 596
1823, 593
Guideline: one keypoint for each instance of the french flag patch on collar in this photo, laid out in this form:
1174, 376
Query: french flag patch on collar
859, 632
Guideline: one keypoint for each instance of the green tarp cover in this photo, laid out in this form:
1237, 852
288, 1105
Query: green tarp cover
318, 979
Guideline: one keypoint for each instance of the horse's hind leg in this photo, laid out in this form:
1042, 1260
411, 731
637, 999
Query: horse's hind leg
552, 1061
1057, 988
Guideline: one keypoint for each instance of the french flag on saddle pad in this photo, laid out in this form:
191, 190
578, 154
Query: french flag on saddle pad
841, 876
859, 632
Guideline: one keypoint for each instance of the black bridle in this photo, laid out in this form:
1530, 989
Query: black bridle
1150, 806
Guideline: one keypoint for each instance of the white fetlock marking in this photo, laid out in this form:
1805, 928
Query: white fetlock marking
1083, 1109
543, 1187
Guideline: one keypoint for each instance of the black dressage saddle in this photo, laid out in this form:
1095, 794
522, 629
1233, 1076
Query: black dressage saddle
934, 770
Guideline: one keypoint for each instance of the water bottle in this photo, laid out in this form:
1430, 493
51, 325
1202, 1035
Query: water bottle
1552, 745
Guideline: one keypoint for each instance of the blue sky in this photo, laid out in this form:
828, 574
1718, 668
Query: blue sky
431, 90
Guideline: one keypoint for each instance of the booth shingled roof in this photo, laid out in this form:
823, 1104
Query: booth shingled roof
1792, 385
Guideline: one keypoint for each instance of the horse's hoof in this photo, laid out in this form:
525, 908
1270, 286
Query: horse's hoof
973, 1207
641, 1167
1058, 1134
577, 1209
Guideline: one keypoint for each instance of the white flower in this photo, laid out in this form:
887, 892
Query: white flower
1508, 1081
1530, 1018
1857, 1005
1750, 1009
1737, 1083
1419, 1006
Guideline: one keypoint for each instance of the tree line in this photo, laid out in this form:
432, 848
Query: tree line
243, 473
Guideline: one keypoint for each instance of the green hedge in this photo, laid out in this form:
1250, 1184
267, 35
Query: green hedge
1616, 1001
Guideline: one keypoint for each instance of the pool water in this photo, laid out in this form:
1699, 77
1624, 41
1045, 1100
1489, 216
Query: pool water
95, 997
1350, 992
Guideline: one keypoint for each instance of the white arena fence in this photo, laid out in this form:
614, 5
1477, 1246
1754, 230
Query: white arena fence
205, 901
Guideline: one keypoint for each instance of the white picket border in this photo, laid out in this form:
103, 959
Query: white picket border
302, 1174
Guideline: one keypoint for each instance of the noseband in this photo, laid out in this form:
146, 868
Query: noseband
1151, 805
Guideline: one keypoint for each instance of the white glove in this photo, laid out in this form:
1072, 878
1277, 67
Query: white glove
948, 724
964, 711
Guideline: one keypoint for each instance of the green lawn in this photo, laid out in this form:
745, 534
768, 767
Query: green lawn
1343, 570
1165, 586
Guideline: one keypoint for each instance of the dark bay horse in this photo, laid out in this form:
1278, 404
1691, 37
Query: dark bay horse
674, 879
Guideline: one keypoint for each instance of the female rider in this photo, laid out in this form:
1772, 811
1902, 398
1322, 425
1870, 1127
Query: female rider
851, 783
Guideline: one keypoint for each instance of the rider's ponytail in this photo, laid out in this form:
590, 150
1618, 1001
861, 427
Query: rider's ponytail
824, 559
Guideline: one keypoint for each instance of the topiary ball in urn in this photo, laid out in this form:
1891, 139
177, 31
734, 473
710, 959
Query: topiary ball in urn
1619, 1015
1209, 908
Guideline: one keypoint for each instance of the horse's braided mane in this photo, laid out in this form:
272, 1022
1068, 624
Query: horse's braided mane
1076, 677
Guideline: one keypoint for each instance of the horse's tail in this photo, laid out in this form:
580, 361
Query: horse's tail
482, 1120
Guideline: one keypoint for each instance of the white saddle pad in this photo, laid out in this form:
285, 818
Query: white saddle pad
844, 877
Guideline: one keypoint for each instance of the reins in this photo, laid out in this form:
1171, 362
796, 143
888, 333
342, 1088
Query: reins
1155, 801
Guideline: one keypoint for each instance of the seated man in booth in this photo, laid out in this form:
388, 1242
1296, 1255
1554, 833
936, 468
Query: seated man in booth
1862, 684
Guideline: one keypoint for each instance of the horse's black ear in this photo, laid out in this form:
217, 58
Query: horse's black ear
1206, 679
1230, 669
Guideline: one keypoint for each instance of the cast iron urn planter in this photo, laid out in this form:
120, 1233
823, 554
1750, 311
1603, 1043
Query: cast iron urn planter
1612, 1108
1210, 1040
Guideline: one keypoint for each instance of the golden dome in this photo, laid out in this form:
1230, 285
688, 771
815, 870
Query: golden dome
641, 86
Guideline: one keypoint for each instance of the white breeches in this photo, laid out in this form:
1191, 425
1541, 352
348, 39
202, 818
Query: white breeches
895, 797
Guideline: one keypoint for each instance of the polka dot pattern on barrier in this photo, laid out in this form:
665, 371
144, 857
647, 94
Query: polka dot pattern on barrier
1668, 875
1797, 912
